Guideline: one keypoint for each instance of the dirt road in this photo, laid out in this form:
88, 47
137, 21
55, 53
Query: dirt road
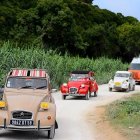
71, 114
72, 117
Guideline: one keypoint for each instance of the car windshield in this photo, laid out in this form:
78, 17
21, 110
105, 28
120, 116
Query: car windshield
78, 76
135, 66
122, 75
17, 82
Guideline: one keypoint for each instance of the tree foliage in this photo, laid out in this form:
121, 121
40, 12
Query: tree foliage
128, 37
75, 26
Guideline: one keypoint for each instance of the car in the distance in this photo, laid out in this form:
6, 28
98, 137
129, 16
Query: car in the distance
123, 80
135, 68
81, 83
27, 103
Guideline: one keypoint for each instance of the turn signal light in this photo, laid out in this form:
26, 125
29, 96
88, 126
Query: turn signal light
82, 85
49, 117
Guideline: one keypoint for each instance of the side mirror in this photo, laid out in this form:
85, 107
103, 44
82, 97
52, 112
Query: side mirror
91, 78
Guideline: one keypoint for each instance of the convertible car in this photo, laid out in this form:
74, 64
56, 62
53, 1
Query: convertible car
81, 83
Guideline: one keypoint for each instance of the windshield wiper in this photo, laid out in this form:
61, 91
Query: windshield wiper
25, 87
41, 87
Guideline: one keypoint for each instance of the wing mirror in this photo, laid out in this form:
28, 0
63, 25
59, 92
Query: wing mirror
91, 78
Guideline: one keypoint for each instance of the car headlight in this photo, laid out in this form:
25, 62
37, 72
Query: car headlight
82, 85
125, 82
44, 105
65, 84
111, 81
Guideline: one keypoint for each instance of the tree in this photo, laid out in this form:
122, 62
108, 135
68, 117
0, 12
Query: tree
86, 1
96, 41
129, 41
131, 20
58, 27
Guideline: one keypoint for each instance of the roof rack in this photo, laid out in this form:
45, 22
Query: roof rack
27, 72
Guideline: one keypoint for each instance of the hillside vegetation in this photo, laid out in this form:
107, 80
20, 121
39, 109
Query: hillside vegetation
77, 27
58, 67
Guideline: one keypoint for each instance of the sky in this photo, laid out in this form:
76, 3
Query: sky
126, 7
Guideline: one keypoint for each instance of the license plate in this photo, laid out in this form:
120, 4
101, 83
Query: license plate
117, 84
21, 122
72, 92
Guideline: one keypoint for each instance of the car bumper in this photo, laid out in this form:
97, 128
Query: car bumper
21, 128
40, 123
74, 94
24, 128
119, 87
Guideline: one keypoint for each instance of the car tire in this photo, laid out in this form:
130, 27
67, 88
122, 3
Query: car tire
110, 89
56, 125
51, 132
63, 97
133, 87
87, 96
128, 89
95, 94
90, 94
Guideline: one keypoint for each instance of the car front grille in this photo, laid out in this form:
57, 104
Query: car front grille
73, 90
22, 115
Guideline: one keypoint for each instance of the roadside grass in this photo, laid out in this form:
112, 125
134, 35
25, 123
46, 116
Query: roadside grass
58, 66
125, 116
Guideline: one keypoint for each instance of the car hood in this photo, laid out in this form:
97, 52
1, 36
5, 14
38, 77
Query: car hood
28, 100
118, 79
76, 83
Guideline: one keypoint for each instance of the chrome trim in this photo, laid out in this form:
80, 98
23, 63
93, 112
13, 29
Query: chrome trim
25, 128
77, 94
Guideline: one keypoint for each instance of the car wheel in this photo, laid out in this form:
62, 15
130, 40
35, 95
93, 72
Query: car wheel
87, 96
51, 132
56, 125
128, 89
133, 87
110, 89
63, 97
95, 94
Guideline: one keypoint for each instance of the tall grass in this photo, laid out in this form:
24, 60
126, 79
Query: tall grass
57, 66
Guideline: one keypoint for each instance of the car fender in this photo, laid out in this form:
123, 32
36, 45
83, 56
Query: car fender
111, 84
84, 90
